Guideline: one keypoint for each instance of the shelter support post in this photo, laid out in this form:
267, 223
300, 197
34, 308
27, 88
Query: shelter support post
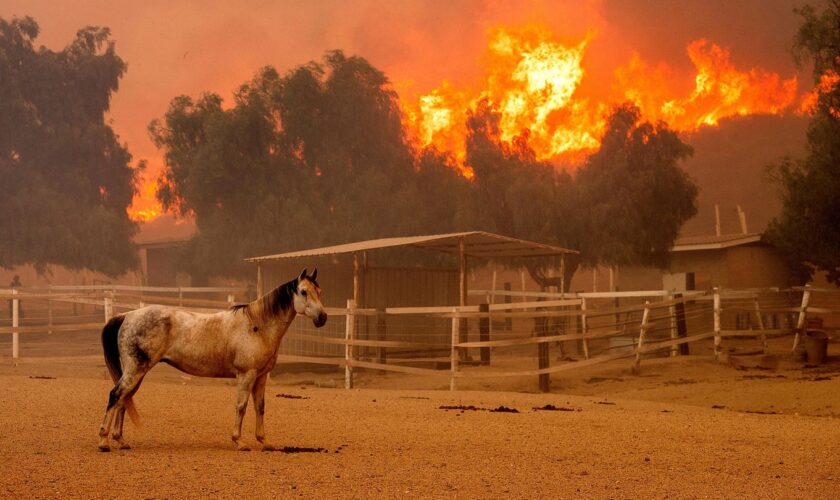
562, 276
260, 284
462, 296
541, 330
803, 311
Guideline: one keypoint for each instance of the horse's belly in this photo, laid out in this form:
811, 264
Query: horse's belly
200, 368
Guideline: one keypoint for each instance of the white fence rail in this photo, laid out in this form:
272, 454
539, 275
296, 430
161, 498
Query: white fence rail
501, 340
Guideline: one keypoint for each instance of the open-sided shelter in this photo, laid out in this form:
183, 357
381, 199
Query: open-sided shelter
380, 287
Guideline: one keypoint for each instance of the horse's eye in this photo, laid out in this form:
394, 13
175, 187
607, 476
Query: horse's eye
303, 292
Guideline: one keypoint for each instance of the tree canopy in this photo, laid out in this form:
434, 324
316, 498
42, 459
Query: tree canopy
67, 180
318, 156
808, 229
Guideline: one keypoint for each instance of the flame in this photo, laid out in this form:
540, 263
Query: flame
720, 90
534, 81
145, 205
531, 81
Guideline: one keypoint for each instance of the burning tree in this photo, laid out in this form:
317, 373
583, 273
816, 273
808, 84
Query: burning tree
67, 181
625, 205
808, 229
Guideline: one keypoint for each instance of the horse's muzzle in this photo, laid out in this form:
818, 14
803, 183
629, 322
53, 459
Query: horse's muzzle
321, 320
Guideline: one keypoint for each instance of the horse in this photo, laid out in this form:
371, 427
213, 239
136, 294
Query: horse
240, 342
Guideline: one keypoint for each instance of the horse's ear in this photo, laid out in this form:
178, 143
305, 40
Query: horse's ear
302, 275
314, 274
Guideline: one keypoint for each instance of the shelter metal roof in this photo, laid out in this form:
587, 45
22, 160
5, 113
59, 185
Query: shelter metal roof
713, 242
476, 244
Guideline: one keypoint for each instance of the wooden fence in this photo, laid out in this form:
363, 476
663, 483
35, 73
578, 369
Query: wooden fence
512, 339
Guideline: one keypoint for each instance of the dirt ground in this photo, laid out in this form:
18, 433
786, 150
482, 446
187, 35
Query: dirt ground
756, 426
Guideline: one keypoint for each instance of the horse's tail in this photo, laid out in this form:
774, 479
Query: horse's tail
110, 347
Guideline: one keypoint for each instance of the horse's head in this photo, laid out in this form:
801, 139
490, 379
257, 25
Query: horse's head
308, 299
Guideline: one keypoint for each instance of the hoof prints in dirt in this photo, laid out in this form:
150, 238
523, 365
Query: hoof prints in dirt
291, 396
554, 408
463, 408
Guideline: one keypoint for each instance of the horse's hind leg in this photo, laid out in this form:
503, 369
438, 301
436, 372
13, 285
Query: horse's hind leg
258, 393
125, 386
119, 419
243, 391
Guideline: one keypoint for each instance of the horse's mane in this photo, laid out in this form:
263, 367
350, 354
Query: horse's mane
269, 305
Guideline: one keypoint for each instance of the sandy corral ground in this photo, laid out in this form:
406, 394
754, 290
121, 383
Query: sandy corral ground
757, 426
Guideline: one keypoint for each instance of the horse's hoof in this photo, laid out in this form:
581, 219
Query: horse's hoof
242, 447
104, 447
125, 446
268, 447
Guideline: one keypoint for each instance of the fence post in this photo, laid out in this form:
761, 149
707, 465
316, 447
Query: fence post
803, 310
672, 313
454, 353
230, 299
381, 332
584, 327
180, 297
108, 305
760, 324
349, 334
15, 325
717, 322
484, 332
682, 326
642, 331
49, 310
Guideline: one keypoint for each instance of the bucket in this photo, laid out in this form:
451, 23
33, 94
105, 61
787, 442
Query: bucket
816, 346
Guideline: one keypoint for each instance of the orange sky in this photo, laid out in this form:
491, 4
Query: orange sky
187, 47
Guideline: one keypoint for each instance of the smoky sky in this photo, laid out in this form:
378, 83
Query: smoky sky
188, 47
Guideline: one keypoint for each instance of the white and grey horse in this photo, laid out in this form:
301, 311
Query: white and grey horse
240, 342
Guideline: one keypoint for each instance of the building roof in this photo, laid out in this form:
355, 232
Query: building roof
713, 242
476, 244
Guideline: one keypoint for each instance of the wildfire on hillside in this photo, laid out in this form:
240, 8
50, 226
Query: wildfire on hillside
534, 82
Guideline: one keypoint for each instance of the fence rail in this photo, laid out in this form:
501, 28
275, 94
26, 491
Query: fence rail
593, 327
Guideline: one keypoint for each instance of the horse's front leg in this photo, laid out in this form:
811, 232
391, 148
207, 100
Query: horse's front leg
243, 390
258, 393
